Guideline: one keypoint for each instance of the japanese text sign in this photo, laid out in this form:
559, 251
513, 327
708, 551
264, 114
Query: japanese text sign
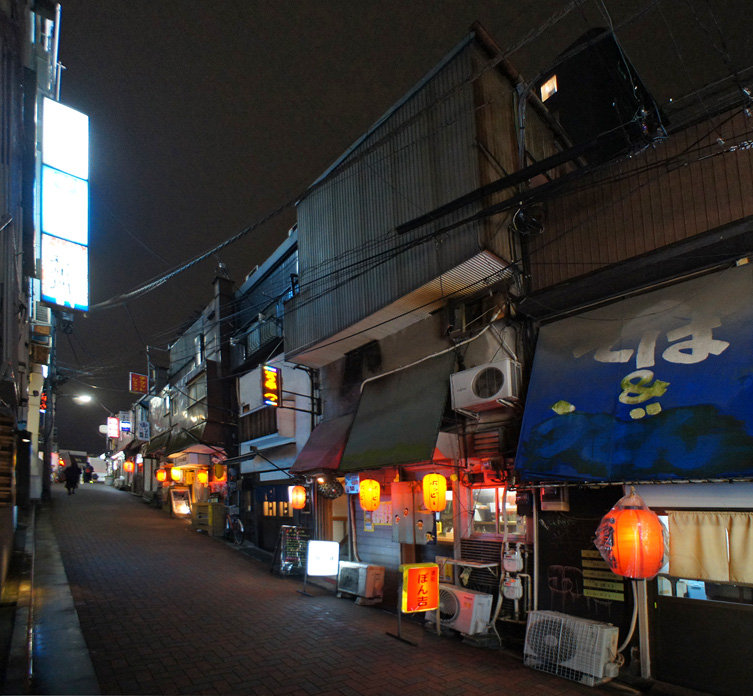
139, 384
271, 385
420, 587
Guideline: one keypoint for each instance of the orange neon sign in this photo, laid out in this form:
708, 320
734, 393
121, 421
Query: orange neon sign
420, 587
271, 385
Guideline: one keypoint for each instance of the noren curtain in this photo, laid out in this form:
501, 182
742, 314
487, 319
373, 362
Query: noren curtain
714, 546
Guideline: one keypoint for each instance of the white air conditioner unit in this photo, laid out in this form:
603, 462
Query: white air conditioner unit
487, 386
464, 610
41, 314
578, 649
361, 580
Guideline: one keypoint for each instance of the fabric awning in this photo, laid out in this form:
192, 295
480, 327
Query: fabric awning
324, 448
158, 443
398, 417
204, 437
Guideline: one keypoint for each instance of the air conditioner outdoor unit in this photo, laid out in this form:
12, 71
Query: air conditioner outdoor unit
577, 649
361, 580
464, 610
484, 387
41, 314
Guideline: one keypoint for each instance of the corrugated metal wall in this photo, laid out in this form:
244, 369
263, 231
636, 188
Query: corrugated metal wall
686, 186
351, 261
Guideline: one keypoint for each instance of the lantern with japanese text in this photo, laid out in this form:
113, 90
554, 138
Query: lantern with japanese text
632, 539
161, 475
298, 497
368, 494
202, 476
176, 474
435, 492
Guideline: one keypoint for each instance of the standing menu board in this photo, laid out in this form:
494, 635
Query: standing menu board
290, 552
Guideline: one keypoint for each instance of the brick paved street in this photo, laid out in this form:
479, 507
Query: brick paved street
165, 610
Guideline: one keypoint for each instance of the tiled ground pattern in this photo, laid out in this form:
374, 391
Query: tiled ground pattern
165, 610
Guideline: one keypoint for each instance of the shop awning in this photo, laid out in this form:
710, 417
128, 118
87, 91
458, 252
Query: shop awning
131, 448
206, 438
158, 443
398, 417
653, 387
324, 448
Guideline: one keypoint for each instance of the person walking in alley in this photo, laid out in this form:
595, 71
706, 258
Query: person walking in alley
72, 474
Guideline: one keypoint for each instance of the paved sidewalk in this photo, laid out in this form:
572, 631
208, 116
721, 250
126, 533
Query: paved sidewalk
165, 610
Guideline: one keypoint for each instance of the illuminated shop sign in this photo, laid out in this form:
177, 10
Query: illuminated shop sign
113, 427
64, 206
420, 587
271, 385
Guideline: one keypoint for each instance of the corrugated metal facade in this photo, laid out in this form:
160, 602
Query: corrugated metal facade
697, 180
351, 260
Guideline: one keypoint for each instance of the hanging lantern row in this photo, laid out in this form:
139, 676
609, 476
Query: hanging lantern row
368, 494
632, 539
435, 492
298, 497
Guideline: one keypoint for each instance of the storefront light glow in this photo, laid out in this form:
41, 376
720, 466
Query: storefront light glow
176, 474
202, 476
435, 492
368, 494
298, 497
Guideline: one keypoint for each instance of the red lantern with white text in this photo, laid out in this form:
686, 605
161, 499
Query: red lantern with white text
632, 539
435, 492
368, 494
298, 497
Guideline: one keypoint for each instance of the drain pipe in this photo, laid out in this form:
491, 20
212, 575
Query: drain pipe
535, 579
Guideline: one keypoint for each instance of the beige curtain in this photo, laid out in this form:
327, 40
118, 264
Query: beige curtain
714, 546
741, 547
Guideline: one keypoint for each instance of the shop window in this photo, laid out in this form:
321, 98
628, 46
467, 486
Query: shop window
445, 521
277, 508
709, 556
489, 515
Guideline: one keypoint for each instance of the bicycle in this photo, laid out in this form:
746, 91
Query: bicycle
233, 525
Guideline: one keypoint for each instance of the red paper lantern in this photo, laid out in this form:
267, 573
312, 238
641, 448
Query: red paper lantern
435, 492
161, 475
368, 494
631, 539
298, 497
128, 466
202, 476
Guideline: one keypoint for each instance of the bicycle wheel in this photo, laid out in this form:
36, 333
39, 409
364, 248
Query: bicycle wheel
237, 529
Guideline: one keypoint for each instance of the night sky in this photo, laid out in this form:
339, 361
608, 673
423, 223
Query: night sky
206, 116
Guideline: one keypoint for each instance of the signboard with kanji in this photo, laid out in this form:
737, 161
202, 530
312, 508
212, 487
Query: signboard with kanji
420, 587
138, 384
271, 385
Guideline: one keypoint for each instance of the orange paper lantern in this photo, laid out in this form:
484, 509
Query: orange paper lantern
368, 494
631, 539
435, 492
161, 475
298, 497
202, 476
176, 474
128, 466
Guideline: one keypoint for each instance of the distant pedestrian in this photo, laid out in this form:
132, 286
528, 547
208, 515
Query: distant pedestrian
88, 471
72, 474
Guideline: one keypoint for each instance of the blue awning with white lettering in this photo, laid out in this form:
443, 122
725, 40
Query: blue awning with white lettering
654, 387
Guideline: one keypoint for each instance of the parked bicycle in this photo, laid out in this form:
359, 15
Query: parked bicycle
233, 525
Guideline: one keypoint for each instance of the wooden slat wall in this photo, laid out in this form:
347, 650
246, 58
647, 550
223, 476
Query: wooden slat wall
685, 186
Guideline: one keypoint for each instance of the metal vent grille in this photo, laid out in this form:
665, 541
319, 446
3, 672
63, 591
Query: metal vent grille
483, 551
567, 646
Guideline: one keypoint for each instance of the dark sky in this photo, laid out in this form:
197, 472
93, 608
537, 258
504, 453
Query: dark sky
206, 116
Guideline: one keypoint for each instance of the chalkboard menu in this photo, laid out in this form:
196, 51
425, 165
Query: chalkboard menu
290, 552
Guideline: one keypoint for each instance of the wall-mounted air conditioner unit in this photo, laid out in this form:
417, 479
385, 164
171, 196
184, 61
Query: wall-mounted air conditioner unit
464, 610
487, 386
364, 581
41, 314
577, 649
